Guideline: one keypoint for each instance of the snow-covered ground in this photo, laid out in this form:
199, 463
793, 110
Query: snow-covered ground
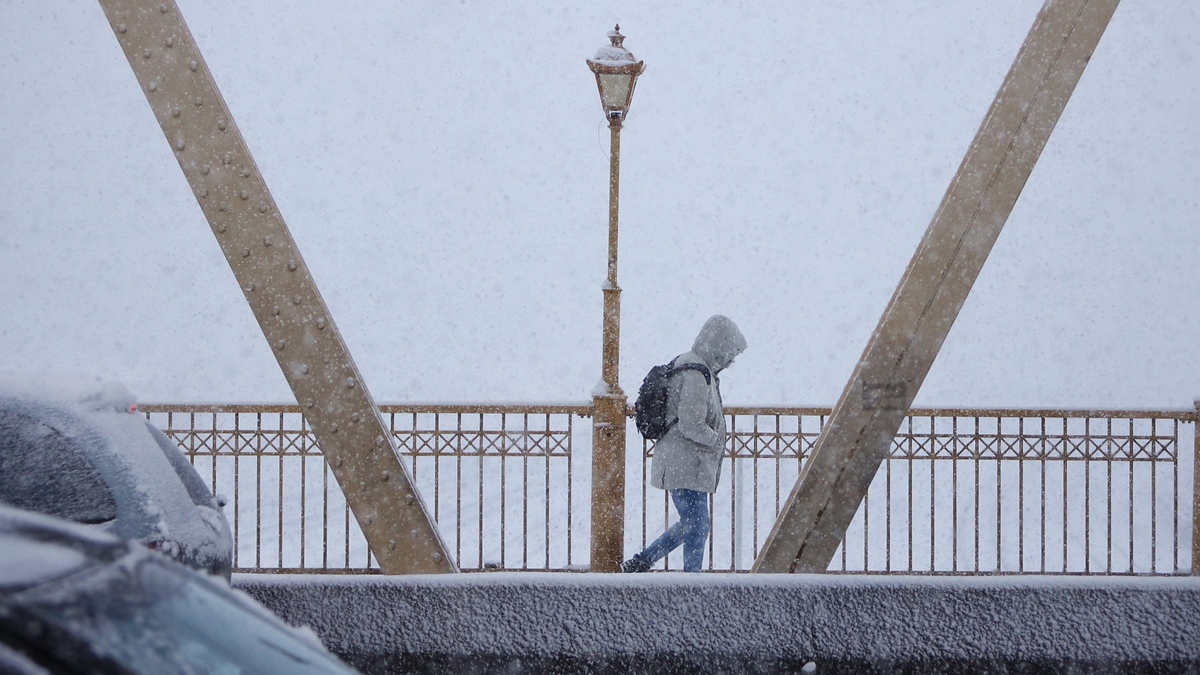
443, 169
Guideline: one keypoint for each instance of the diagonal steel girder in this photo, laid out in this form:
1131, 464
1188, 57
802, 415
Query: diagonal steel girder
859, 433
282, 294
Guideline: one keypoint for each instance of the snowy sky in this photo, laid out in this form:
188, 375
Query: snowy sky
443, 169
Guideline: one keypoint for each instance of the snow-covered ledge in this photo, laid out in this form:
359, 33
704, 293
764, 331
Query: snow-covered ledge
563, 622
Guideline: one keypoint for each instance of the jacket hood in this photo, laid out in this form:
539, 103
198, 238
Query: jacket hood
719, 342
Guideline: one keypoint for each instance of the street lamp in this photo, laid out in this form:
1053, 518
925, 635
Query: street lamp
616, 73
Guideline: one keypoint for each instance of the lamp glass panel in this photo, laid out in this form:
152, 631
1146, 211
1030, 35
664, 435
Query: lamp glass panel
614, 91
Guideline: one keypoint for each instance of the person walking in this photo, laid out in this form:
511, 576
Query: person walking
687, 459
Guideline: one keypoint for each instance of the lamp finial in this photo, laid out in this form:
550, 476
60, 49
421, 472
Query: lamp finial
616, 37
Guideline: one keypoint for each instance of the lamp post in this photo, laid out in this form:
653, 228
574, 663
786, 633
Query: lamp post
616, 73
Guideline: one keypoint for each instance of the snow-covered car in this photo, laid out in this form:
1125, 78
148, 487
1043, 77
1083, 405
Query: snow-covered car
89, 457
77, 600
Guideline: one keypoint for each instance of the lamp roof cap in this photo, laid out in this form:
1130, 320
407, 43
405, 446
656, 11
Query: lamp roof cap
614, 54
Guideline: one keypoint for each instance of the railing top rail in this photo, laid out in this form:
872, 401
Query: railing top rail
579, 409
218, 408
1073, 413
1181, 415
809, 411
585, 410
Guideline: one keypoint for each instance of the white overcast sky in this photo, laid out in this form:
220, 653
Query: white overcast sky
443, 169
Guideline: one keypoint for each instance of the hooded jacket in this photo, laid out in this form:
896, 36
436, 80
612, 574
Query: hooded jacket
689, 455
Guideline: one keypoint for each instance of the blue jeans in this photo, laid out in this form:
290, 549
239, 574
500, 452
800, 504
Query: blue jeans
691, 531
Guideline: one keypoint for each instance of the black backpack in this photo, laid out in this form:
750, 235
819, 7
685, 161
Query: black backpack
651, 406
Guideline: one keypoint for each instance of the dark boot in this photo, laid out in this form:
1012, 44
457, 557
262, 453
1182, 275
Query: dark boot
635, 564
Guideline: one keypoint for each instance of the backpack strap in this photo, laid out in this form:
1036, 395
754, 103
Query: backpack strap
693, 366
700, 367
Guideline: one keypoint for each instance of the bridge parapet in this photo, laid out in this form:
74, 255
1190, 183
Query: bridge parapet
517, 623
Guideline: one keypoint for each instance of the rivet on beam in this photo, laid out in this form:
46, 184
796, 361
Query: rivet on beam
291, 265
170, 41
146, 53
320, 324
267, 241
192, 66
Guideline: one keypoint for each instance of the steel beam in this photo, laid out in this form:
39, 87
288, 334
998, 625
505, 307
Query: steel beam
282, 294
973, 211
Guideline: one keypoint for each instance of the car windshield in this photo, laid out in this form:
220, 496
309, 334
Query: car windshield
153, 617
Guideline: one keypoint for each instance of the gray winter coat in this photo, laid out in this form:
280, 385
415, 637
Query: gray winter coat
689, 455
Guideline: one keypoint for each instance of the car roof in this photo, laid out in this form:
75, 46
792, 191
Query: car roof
124, 452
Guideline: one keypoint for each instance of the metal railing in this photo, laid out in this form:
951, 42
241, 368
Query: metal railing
500, 481
971, 492
962, 492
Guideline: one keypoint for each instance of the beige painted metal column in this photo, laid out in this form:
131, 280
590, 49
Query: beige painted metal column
912, 329
282, 294
608, 425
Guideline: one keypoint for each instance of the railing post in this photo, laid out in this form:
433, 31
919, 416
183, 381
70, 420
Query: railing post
1196, 492
608, 483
